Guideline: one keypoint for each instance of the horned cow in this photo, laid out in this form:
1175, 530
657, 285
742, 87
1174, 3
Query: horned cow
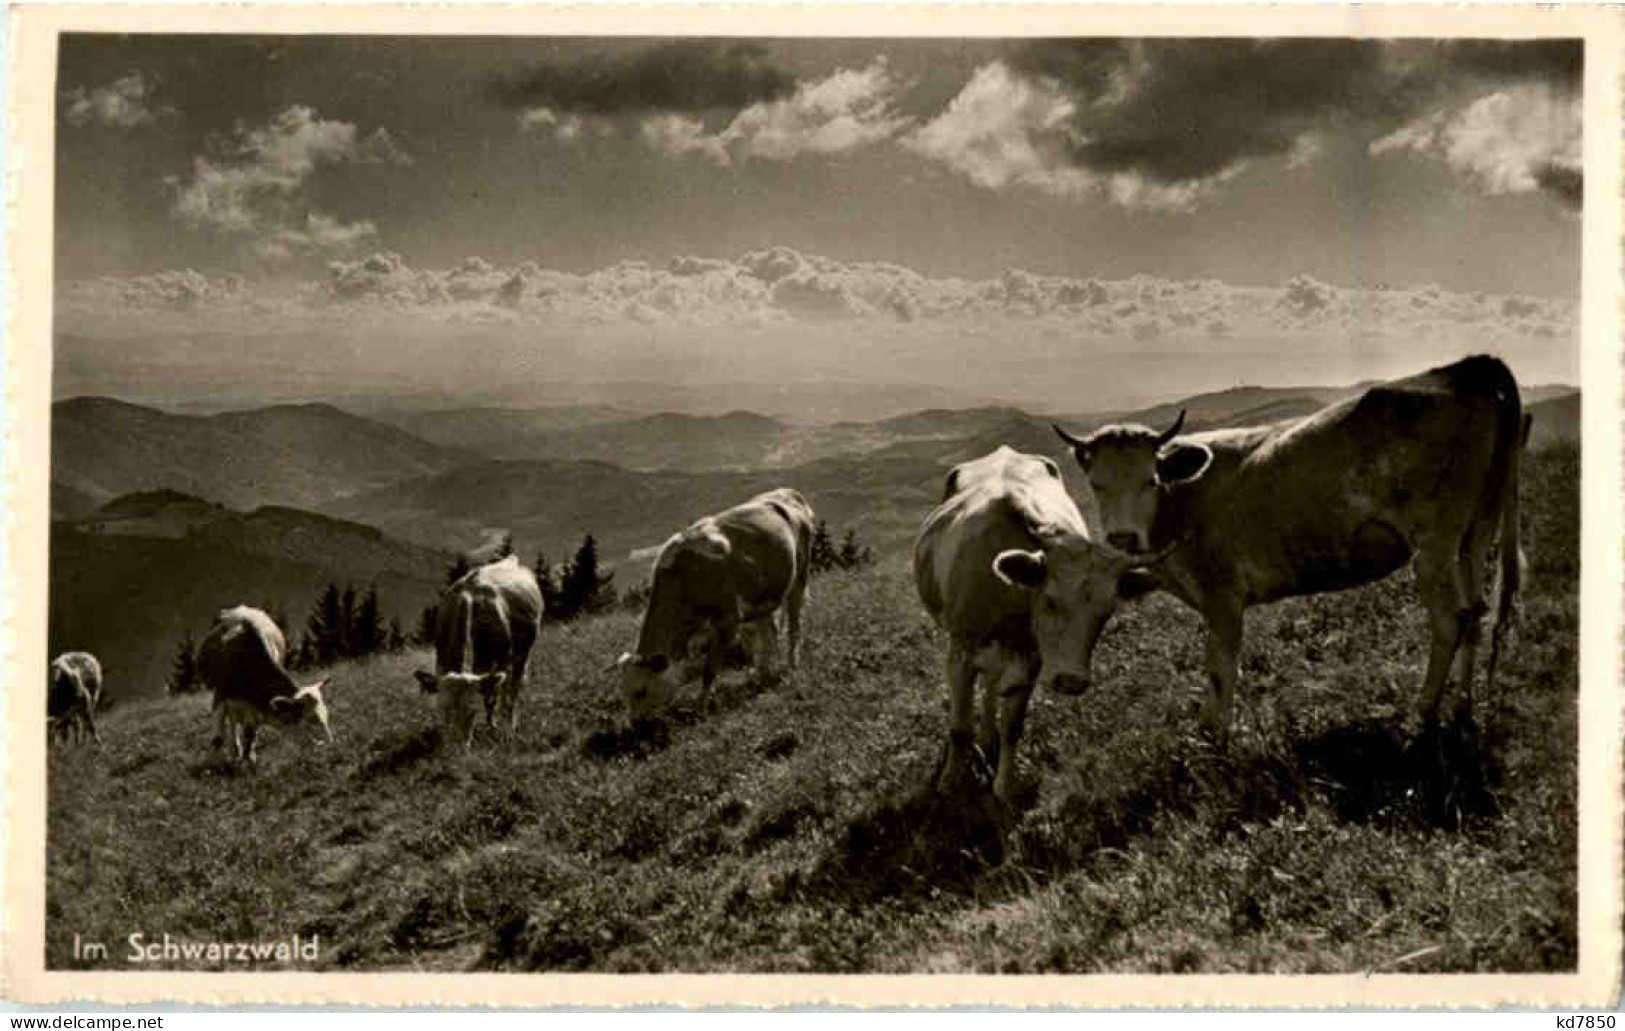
1424, 467
1006, 566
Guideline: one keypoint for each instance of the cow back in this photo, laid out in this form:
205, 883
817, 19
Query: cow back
241, 658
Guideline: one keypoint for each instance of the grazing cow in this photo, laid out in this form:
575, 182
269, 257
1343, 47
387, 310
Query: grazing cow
75, 690
485, 627
241, 660
1006, 567
1425, 466
729, 571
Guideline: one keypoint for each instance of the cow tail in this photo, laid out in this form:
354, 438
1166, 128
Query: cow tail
1514, 431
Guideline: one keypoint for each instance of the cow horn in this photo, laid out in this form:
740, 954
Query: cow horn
1173, 431
1070, 440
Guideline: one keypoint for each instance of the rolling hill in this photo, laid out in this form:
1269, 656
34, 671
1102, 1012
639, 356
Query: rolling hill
285, 454
129, 580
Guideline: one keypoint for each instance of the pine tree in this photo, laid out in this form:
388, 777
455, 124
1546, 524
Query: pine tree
346, 643
425, 632
183, 677
552, 596
822, 558
367, 629
326, 627
584, 590
504, 547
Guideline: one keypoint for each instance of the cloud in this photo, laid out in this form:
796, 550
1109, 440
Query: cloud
1157, 123
253, 186
1006, 129
121, 104
1517, 140
846, 110
786, 288
673, 77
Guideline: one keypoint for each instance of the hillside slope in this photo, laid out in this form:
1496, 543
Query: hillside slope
287, 454
787, 831
127, 582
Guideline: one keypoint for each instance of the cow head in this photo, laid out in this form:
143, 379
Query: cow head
1130, 469
644, 685
457, 694
306, 705
1074, 583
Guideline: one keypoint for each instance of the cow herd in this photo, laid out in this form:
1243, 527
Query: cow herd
1422, 468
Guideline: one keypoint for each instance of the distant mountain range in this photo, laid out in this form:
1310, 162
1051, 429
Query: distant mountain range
297, 455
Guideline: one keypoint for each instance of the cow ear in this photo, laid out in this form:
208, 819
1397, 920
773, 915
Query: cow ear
283, 701
427, 681
659, 663
1022, 568
1183, 463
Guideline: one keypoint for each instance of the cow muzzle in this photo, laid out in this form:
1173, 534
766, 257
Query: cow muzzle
1070, 683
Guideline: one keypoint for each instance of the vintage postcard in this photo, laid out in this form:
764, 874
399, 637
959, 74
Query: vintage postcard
867, 505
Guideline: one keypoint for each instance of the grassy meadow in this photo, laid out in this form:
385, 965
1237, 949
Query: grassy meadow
792, 830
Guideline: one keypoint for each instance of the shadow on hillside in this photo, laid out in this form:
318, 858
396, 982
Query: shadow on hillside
1369, 771
923, 842
643, 738
390, 755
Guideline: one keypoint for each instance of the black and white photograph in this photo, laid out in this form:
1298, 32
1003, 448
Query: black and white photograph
844, 504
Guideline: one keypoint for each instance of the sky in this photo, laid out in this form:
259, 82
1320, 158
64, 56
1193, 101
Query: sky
391, 212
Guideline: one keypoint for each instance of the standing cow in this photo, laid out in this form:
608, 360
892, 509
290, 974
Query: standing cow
728, 571
241, 659
1425, 467
485, 627
1006, 567
74, 691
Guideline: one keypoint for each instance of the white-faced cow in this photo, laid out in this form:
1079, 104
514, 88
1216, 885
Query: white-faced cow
1425, 466
730, 571
485, 627
74, 692
1006, 567
241, 660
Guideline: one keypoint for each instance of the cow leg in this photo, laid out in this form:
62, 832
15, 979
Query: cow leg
251, 743
792, 618
1474, 565
1438, 579
90, 722
514, 689
1224, 627
961, 686
767, 645
220, 729
1015, 689
715, 643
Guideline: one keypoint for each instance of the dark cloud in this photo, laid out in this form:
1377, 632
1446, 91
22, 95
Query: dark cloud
674, 77
1557, 62
1562, 182
1183, 111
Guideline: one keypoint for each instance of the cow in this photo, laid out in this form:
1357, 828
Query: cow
1006, 566
726, 572
485, 627
74, 691
1423, 467
241, 660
